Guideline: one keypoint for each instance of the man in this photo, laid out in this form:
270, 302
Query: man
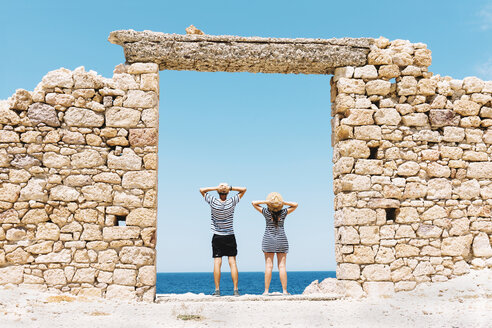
223, 241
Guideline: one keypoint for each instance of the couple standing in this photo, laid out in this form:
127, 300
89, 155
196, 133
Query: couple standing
224, 241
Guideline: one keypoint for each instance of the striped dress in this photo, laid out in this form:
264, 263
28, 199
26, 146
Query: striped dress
274, 239
222, 214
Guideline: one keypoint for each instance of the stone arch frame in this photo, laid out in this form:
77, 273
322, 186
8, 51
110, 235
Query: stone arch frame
411, 157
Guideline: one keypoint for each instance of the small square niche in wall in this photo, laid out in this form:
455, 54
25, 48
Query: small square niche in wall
121, 221
390, 214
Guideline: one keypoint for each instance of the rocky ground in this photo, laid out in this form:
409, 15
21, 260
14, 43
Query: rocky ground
462, 302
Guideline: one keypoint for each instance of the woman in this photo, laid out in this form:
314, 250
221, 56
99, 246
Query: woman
274, 239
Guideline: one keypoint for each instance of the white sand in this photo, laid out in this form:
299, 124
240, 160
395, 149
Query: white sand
463, 302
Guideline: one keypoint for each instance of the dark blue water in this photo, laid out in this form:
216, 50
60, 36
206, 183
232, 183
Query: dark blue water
249, 282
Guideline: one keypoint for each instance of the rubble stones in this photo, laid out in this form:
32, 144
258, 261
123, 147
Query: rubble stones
43, 113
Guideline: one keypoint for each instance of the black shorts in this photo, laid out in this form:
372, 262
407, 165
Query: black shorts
224, 245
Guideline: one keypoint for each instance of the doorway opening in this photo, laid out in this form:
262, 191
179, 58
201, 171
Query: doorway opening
265, 132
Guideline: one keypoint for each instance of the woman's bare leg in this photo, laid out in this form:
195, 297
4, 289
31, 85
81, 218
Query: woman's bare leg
268, 270
217, 265
282, 271
234, 274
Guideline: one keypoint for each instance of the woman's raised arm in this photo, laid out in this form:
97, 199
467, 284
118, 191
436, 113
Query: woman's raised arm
256, 204
292, 206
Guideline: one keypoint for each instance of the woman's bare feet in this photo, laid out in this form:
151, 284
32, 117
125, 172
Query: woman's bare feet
265, 293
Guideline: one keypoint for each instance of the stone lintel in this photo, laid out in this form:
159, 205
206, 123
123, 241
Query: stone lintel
211, 53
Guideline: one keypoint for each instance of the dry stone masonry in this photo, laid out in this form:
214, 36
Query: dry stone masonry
412, 171
412, 163
78, 155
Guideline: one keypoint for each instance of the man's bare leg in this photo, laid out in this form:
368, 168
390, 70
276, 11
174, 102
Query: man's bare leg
234, 274
217, 266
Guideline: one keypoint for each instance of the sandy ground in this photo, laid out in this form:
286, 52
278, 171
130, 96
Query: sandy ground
463, 302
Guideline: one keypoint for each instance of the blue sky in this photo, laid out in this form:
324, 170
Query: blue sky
262, 131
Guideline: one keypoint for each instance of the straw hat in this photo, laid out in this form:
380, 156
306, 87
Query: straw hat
275, 202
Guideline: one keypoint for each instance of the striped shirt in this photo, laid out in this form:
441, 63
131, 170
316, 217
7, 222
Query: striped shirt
222, 214
274, 239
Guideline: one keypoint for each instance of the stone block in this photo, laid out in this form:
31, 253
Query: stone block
466, 107
123, 233
147, 275
378, 289
415, 119
141, 68
369, 166
99, 192
54, 160
127, 160
126, 277
366, 72
387, 116
122, 117
55, 277
84, 275
121, 292
369, 235
347, 235
361, 255
142, 217
11, 275
481, 245
354, 182
143, 137
64, 256
358, 116
9, 192
48, 231
439, 188
409, 168
468, 190
140, 99
137, 255
376, 272
139, 179
348, 271
378, 87
438, 171
8, 136
442, 117
404, 250
353, 148
456, 246
345, 85
368, 132
91, 232
61, 78
429, 231
83, 117
482, 170
87, 159
64, 193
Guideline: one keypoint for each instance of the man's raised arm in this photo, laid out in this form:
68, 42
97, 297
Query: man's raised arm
203, 191
241, 191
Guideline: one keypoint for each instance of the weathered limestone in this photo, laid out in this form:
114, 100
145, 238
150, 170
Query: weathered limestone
415, 152
411, 163
64, 160
240, 54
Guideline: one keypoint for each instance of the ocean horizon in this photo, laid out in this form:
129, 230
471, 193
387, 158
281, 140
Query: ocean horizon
249, 282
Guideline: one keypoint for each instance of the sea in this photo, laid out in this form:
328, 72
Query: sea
249, 282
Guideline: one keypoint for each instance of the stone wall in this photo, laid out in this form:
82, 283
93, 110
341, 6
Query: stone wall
412, 170
78, 157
